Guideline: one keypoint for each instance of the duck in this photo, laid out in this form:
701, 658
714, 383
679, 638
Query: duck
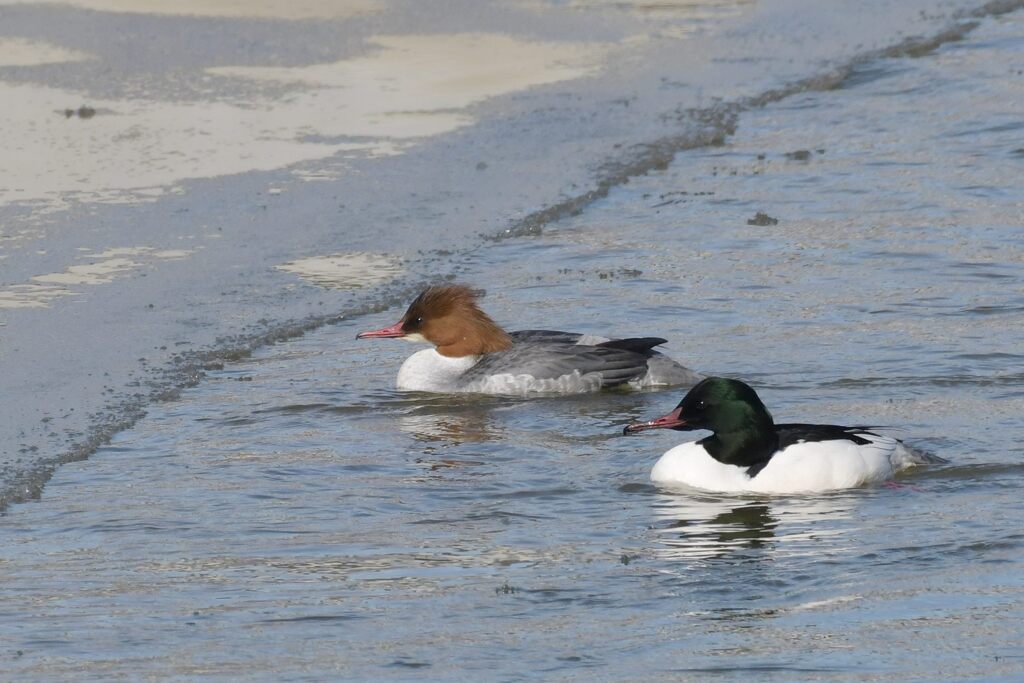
748, 452
472, 353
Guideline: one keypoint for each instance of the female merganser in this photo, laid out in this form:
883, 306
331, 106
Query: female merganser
473, 354
749, 452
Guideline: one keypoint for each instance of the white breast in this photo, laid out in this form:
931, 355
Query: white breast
689, 464
800, 468
428, 370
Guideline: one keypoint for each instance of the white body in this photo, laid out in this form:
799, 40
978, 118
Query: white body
428, 370
800, 468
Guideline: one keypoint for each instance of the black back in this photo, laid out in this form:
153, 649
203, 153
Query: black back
795, 432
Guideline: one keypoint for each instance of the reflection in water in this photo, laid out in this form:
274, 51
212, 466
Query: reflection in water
750, 525
456, 429
693, 528
700, 528
453, 420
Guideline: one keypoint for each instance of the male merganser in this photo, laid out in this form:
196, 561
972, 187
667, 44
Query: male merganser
473, 354
749, 452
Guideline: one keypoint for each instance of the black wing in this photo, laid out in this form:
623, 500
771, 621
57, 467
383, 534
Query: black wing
792, 433
636, 344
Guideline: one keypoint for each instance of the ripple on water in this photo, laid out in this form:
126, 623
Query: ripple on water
313, 519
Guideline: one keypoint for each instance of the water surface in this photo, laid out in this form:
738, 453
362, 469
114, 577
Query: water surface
293, 517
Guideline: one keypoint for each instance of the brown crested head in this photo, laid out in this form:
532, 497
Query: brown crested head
449, 317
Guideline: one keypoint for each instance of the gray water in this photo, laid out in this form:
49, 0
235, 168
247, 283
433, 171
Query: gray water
292, 517
175, 175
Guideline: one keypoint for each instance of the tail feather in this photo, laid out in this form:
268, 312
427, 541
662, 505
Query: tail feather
636, 344
912, 455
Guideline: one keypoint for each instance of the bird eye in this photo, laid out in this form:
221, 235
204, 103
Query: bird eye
418, 320
700, 405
